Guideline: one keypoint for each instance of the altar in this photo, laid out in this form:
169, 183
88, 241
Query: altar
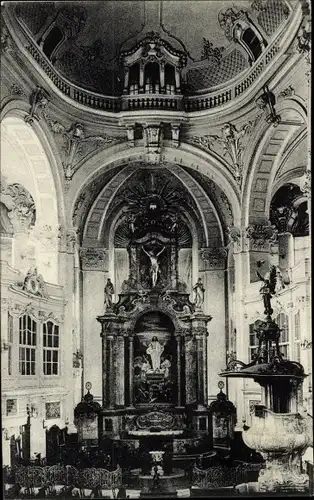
154, 344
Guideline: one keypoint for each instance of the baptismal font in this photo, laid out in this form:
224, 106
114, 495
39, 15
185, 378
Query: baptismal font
154, 344
278, 431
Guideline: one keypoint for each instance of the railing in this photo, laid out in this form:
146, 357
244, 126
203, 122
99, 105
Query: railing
210, 99
223, 476
60, 478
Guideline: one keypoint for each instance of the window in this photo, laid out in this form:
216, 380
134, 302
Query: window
253, 347
252, 42
297, 335
282, 322
51, 348
27, 342
11, 407
52, 40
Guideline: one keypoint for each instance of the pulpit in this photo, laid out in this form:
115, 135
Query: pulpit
154, 343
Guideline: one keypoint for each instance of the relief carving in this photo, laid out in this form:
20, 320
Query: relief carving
93, 258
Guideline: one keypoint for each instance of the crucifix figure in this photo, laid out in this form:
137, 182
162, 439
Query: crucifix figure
154, 265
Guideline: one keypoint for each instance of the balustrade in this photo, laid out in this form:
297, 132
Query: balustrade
135, 102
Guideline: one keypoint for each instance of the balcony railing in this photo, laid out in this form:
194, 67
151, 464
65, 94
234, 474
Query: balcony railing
210, 99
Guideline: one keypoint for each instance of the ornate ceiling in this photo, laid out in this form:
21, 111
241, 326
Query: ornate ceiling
99, 30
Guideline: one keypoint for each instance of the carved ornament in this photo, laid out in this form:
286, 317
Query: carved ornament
93, 258
157, 419
214, 257
227, 19
261, 235
305, 184
288, 92
20, 205
231, 142
77, 145
210, 52
39, 101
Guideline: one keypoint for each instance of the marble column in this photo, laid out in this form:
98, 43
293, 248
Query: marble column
110, 372
200, 369
179, 369
190, 370
104, 365
119, 362
131, 371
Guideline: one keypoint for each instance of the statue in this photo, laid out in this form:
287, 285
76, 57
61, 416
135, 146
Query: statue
154, 269
109, 291
199, 291
34, 283
165, 367
155, 350
280, 285
268, 289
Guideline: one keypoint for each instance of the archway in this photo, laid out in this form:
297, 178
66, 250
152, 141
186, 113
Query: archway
30, 198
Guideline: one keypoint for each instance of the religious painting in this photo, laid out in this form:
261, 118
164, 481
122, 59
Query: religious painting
154, 369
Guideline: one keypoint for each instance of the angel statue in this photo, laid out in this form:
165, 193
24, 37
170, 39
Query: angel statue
154, 264
268, 288
199, 292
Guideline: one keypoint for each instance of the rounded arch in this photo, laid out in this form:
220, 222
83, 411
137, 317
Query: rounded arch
153, 309
269, 145
20, 109
185, 155
25, 163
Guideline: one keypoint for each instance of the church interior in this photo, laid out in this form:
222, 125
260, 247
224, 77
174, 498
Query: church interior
155, 218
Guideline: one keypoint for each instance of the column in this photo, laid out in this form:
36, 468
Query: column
111, 375
104, 367
119, 386
190, 375
205, 371
162, 77
177, 78
242, 280
126, 79
200, 369
141, 89
93, 262
178, 339
213, 264
67, 249
130, 371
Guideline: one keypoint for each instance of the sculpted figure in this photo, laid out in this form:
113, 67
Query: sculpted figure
155, 350
109, 291
199, 292
154, 265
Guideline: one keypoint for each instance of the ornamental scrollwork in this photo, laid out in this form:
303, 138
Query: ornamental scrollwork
39, 101
213, 257
77, 145
231, 142
262, 234
20, 205
93, 258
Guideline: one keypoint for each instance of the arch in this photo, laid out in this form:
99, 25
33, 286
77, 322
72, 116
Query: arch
186, 155
20, 109
153, 309
26, 147
269, 145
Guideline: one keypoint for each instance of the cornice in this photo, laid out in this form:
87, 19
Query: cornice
272, 64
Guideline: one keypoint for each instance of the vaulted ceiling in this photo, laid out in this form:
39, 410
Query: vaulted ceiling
89, 58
